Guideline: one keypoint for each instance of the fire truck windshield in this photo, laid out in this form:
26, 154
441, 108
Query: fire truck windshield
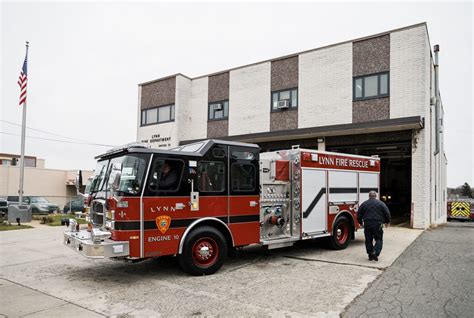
99, 176
132, 174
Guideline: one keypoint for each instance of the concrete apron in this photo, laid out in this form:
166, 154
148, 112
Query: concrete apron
304, 280
395, 241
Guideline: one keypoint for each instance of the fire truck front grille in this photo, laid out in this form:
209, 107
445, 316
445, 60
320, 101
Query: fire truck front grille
97, 213
97, 207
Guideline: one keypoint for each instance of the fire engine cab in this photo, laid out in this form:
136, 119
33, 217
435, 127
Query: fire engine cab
200, 201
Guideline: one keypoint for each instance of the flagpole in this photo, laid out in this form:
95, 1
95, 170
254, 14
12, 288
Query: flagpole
22, 157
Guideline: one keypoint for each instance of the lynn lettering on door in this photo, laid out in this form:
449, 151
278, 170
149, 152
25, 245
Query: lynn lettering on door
162, 209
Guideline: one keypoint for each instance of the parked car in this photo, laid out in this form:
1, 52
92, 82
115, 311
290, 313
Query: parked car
74, 205
38, 204
13, 200
3, 206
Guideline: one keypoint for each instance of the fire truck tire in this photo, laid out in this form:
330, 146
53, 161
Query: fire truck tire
204, 251
341, 235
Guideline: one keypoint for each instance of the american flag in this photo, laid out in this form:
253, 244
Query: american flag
23, 79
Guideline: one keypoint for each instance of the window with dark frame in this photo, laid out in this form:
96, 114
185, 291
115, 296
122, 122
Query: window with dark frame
218, 110
211, 176
284, 99
165, 175
371, 86
157, 115
243, 177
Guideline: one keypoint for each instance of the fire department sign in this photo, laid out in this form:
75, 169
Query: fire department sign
163, 223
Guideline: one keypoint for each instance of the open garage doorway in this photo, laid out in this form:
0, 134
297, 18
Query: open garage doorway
395, 175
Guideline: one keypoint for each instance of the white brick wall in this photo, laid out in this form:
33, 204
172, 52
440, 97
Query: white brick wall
420, 178
249, 99
325, 87
193, 124
410, 96
409, 73
182, 104
164, 130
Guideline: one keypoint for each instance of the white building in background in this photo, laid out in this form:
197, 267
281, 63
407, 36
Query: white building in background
370, 96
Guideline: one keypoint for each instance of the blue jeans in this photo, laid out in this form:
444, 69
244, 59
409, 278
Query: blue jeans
373, 232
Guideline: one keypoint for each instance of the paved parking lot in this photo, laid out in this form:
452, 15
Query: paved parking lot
432, 278
41, 277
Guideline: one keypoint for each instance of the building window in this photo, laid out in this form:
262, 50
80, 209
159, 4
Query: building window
219, 110
371, 86
286, 99
157, 115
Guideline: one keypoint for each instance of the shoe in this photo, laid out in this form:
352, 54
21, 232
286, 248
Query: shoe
371, 257
375, 258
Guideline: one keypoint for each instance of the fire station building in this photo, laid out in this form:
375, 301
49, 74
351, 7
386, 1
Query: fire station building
369, 96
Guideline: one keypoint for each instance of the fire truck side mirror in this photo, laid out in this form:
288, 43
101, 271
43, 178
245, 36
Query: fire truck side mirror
78, 182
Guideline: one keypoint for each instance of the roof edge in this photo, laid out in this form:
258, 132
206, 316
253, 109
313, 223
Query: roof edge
164, 78
295, 54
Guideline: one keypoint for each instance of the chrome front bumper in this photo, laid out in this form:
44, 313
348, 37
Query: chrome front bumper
82, 243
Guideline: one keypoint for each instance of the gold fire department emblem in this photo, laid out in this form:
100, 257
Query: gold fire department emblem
163, 222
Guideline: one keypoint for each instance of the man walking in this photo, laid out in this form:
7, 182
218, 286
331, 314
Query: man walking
372, 214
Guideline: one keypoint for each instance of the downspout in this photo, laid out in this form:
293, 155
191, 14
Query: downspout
437, 99
437, 133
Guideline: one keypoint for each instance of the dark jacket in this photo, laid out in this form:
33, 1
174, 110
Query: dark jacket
169, 181
373, 211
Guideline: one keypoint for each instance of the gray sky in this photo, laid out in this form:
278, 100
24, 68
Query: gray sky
86, 60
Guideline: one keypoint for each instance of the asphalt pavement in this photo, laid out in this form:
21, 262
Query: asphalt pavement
434, 277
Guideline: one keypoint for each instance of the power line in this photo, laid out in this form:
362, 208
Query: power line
63, 141
43, 131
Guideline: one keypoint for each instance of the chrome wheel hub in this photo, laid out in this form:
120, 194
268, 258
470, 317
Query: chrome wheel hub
204, 252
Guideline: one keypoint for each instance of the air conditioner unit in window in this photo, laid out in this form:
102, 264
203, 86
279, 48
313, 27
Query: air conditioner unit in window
283, 104
217, 106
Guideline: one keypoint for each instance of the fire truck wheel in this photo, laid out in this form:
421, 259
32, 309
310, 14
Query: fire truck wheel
341, 236
203, 252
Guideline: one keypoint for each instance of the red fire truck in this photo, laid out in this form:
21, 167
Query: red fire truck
200, 201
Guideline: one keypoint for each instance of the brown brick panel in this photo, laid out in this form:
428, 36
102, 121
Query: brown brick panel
158, 93
217, 128
371, 109
284, 74
218, 87
371, 56
284, 120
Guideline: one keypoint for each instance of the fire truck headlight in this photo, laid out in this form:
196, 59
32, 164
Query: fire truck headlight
111, 215
110, 224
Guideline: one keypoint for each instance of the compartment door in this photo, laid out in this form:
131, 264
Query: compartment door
367, 183
313, 200
342, 186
